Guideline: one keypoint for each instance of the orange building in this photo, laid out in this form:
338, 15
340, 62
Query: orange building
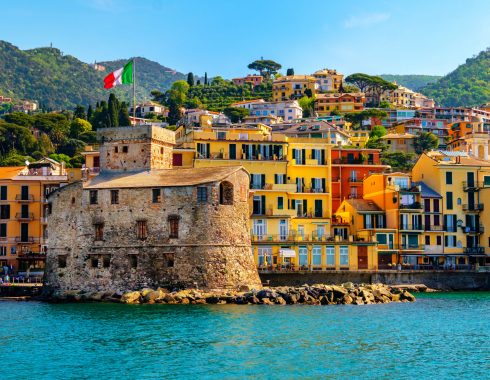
349, 168
23, 208
341, 102
254, 80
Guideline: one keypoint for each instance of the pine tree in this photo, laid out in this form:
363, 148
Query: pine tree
190, 79
80, 113
113, 113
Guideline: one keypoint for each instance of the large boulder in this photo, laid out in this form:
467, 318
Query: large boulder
131, 297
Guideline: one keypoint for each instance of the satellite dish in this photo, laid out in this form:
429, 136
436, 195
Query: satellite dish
27, 163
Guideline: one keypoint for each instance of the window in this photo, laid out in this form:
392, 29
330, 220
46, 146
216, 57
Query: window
427, 240
24, 193
141, 229
5, 212
3, 250
133, 261
225, 193
449, 178
330, 255
3, 230
106, 261
344, 255
438, 240
156, 195
114, 197
450, 241
62, 261
93, 197
436, 205
280, 203
449, 200
3, 193
125, 149
303, 256
317, 255
94, 262
173, 221
202, 194
116, 149
169, 259
99, 231
265, 256
486, 181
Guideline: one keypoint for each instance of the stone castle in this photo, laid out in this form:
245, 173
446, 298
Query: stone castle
140, 223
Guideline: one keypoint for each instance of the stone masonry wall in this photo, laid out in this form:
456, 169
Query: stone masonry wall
212, 250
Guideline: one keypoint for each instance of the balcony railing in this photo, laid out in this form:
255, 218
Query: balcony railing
474, 207
412, 247
474, 250
25, 239
411, 206
411, 227
434, 228
24, 216
353, 180
474, 229
450, 228
24, 197
471, 186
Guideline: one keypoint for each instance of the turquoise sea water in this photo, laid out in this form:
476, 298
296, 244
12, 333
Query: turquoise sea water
440, 336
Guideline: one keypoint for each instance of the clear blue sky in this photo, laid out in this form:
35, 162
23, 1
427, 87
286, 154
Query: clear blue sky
223, 36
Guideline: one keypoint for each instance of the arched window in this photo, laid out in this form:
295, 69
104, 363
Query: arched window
225, 193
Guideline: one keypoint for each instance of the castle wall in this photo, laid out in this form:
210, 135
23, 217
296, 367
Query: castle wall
212, 250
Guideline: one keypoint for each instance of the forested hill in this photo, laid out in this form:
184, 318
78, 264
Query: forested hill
59, 81
413, 81
468, 85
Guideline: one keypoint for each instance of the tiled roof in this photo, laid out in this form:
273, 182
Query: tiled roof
363, 205
10, 172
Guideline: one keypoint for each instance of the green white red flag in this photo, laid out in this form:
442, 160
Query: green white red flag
124, 75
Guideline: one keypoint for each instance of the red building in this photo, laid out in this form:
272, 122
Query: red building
349, 168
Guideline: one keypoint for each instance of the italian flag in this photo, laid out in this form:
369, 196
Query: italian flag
124, 75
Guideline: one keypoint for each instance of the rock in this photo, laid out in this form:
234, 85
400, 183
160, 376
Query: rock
407, 296
185, 301
339, 291
145, 291
168, 298
97, 296
266, 293
266, 301
131, 297
348, 285
153, 296
280, 301
347, 300
212, 300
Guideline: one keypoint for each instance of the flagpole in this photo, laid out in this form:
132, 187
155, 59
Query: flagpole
134, 90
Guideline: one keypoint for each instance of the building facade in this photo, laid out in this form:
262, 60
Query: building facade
290, 87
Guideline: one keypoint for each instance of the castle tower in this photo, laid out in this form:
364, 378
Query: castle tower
143, 147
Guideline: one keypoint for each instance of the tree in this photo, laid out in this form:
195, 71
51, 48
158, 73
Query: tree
377, 131
360, 80
236, 114
19, 118
44, 145
60, 157
385, 104
79, 126
290, 72
356, 118
71, 147
79, 112
124, 120
190, 79
376, 143
113, 111
13, 158
399, 160
375, 84
90, 113
425, 141
16, 137
265, 67
206, 79
198, 83
307, 104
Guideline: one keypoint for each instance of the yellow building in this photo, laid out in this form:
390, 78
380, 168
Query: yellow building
341, 102
290, 198
23, 209
292, 87
463, 182
400, 142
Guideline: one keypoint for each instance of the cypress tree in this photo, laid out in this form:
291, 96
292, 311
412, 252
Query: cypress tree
190, 79
290, 72
124, 120
90, 112
205, 79
113, 109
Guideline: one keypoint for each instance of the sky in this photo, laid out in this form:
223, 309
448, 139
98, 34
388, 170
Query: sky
221, 37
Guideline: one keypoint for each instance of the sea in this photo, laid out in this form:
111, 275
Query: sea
440, 336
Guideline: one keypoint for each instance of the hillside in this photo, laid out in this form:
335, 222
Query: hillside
412, 81
468, 85
60, 81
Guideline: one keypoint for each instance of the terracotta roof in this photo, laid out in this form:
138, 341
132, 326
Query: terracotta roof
398, 136
160, 178
10, 172
364, 205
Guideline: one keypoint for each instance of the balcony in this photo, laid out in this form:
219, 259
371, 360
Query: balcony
450, 228
411, 227
477, 207
434, 228
24, 216
25, 239
474, 250
412, 247
354, 181
287, 187
474, 229
24, 197
471, 186
284, 213
416, 206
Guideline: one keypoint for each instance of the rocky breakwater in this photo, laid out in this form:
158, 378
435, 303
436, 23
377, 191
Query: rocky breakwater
345, 294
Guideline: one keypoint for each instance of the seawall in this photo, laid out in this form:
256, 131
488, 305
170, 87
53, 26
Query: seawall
441, 280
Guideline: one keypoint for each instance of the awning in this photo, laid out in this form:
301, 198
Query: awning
287, 252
